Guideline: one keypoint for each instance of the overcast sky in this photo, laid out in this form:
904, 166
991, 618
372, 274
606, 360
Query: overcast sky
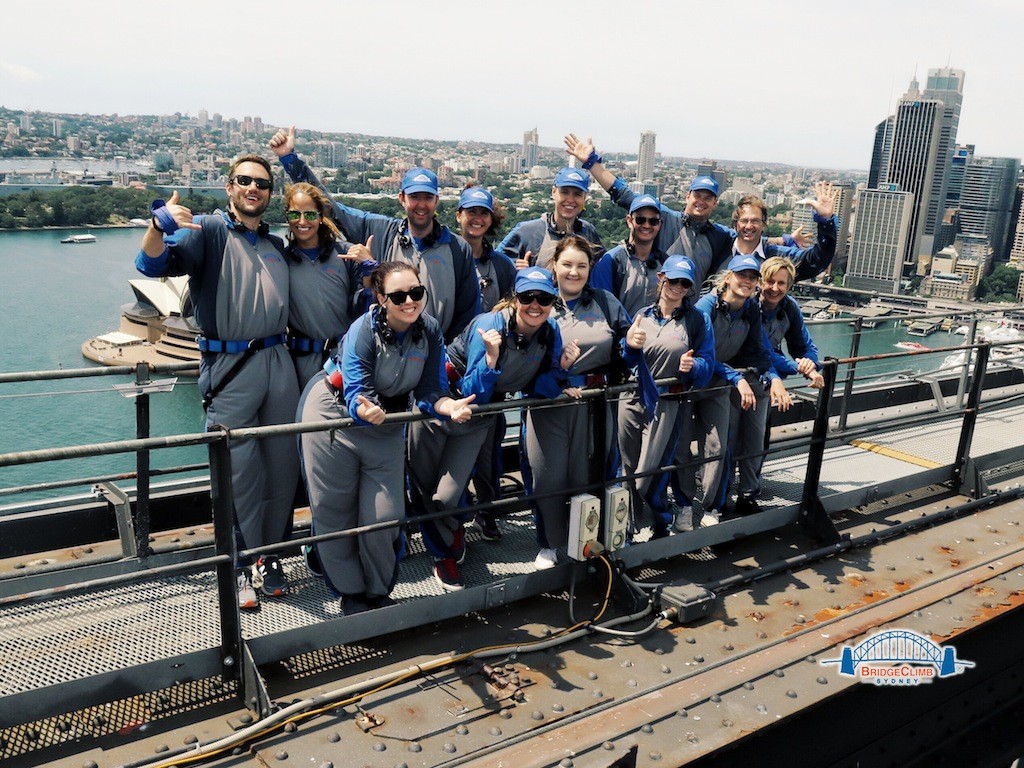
795, 82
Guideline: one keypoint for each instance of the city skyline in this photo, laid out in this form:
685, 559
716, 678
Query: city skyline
404, 69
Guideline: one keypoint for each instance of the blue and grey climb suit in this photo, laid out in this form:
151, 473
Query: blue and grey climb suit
355, 476
238, 280
540, 237
630, 280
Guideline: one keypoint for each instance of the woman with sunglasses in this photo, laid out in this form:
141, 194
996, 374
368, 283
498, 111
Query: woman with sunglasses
731, 420
668, 339
355, 476
324, 273
630, 269
558, 439
480, 217
516, 347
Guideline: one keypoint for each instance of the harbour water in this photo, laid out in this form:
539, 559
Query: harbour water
55, 296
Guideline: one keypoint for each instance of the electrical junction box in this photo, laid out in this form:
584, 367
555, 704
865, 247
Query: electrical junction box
584, 524
615, 518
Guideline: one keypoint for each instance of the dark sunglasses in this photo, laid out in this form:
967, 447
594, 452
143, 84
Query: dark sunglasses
678, 282
399, 297
307, 215
245, 181
544, 299
652, 220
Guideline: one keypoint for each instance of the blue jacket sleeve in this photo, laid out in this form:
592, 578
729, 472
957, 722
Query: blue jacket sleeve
358, 356
512, 245
433, 383
467, 293
781, 364
551, 382
621, 195
703, 357
601, 277
810, 262
479, 379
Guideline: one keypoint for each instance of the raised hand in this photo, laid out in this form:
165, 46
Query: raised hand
686, 361
579, 149
369, 411
636, 336
824, 202
801, 238
283, 143
359, 252
459, 410
570, 354
492, 346
182, 215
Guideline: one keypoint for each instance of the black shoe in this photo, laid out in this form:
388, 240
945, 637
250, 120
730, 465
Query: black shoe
353, 604
381, 601
746, 506
272, 581
487, 526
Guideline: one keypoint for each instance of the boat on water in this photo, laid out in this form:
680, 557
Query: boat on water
79, 239
157, 328
914, 346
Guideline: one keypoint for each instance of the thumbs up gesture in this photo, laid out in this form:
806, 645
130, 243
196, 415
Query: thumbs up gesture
369, 411
283, 143
359, 252
492, 346
636, 336
570, 354
686, 362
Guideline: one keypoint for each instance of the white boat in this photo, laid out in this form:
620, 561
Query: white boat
75, 239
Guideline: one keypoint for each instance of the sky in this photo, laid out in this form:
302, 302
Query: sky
793, 82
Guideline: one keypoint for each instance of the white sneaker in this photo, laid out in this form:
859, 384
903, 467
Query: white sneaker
247, 600
546, 558
683, 519
711, 517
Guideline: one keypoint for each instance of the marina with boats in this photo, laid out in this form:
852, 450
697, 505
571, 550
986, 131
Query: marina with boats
893, 500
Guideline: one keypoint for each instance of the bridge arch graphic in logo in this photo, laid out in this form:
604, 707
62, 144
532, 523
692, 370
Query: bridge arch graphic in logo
899, 657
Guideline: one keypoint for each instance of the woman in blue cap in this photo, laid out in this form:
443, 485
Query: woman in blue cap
558, 440
731, 418
480, 217
392, 354
514, 348
533, 242
667, 339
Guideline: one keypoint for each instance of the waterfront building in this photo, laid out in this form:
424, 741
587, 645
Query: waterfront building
880, 240
987, 199
645, 164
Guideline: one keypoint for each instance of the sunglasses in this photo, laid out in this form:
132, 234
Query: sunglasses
399, 297
245, 181
544, 299
678, 282
307, 215
652, 220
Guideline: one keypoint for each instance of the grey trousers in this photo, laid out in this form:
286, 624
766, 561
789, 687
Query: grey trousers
746, 436
711, 428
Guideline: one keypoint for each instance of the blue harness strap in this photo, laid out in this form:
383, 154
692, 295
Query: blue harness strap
231, 347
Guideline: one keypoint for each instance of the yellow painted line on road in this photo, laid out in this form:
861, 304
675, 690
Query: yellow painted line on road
892, 453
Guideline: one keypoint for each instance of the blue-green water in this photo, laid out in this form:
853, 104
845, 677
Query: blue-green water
54, 296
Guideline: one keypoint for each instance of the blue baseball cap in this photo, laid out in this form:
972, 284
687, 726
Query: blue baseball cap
676, 267
705, 182
535, 279
476, 197
573, 177
743, 262
644, 201
419, 180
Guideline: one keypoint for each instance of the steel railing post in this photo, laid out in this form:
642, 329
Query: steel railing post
851, 372
224, 542
142, 463
962, 474
813, 517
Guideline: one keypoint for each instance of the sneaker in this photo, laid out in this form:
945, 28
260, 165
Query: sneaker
709, 518
459, 547
546, 558
270, 576
247, 600
487, 526
353, 604
446, 571
746, 506
312, 558
683, 521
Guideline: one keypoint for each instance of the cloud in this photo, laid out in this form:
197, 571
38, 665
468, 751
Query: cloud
19, 72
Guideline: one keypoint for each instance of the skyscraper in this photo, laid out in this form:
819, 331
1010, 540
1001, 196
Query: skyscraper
879, 169
645, 165
945, 85
530, 144
880, 237
987, 199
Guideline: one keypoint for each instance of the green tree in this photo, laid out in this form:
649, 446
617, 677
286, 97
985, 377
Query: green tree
1001, 285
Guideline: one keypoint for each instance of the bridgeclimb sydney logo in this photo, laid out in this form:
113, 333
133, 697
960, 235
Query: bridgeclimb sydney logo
899, 657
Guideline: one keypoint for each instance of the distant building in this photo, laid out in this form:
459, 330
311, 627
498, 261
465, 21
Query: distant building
710, 168
987, 201
879, 169
1017, 233
946, 85
880, 237
645, 164
58, 129
530, 148
646, 188
203, 119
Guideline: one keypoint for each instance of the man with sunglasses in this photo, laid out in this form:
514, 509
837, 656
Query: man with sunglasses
246, 374
707, 244
443, 258
630, 269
